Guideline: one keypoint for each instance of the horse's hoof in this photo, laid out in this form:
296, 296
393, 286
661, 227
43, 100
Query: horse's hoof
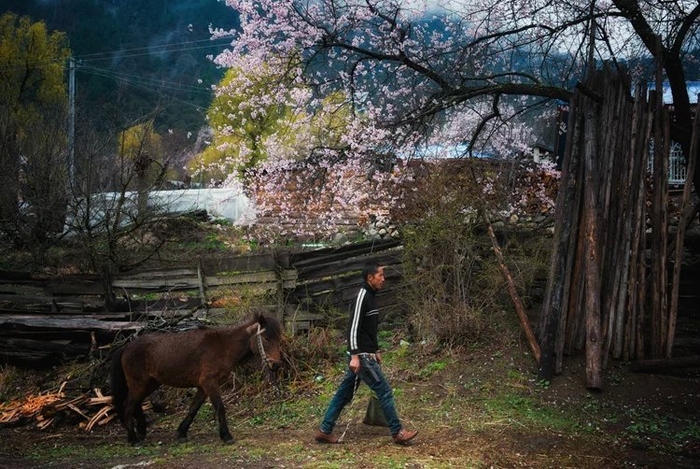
182, 438
227, 439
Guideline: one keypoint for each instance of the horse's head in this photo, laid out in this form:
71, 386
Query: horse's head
266, 334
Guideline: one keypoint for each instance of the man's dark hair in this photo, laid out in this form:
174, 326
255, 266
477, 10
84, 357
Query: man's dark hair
370, 268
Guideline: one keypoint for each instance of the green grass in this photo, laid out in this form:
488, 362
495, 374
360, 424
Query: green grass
490, 397
77, 451
282, 415
526, 412
649, 428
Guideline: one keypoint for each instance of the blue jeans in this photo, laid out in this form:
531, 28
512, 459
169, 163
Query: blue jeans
371, 374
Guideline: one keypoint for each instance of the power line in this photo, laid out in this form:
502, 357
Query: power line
150, 86
151, 50
121, 54
142, 80
22, 64
147, 84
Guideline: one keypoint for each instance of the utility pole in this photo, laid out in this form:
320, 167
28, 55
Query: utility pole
71, 122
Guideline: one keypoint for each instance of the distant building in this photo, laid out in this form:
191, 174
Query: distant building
693, 91
542, 153
677, 162
677, 168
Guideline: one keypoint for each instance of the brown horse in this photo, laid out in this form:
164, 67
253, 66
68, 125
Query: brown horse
200, 358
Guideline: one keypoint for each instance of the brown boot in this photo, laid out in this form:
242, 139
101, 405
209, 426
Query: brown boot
326, 437
404, 436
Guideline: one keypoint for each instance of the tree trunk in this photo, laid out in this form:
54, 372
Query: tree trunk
553, 318
592, 267
680, 236
658, 284
9, 177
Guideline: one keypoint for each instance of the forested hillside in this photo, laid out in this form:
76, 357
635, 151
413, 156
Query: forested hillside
135, 57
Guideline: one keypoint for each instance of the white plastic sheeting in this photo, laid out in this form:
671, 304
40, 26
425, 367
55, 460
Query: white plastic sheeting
229, 204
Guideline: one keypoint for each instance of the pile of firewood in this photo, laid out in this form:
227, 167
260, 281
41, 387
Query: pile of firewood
91, 408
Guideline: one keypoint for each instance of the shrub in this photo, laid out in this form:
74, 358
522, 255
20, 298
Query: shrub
455, 289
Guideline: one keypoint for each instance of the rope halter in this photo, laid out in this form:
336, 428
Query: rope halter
264, 359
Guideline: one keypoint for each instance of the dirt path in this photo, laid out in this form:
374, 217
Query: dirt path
633, 423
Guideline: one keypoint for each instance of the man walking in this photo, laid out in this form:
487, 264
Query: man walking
365, 358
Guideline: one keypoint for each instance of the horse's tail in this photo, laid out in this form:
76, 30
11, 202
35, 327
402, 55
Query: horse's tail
119, 386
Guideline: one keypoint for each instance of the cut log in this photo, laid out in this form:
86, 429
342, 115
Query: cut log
664, 364
68, 323
37, 350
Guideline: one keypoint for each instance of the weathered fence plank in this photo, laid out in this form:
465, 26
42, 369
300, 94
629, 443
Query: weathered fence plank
305, 284
69, 323
262, 278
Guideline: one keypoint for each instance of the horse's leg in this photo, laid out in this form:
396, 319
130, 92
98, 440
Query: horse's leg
197, 402
139, 416
212, 390
134, 419
140, 421
130, 412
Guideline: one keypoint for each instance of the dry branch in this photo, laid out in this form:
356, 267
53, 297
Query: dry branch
43, 409
532, 340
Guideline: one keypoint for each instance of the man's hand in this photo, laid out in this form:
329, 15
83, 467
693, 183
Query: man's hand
355, 363
379, 357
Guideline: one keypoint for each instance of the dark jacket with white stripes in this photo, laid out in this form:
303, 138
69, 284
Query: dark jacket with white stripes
364, 321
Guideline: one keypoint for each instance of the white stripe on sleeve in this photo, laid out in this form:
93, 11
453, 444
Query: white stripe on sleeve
356, 319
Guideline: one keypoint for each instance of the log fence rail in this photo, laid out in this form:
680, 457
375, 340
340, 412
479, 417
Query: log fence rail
45, 318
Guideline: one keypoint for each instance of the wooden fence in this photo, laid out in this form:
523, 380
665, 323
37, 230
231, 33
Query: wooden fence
611, 292
43, 319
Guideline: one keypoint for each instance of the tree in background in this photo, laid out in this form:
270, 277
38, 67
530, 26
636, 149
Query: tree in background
33, 137
252, 107
112, 220
317, 163
407, 69
406, 63
142, 163
260, 115
157, 50
390, 69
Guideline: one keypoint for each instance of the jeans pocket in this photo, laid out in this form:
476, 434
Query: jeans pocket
371, 367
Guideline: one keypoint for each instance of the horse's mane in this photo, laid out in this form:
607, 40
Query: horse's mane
273, 328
